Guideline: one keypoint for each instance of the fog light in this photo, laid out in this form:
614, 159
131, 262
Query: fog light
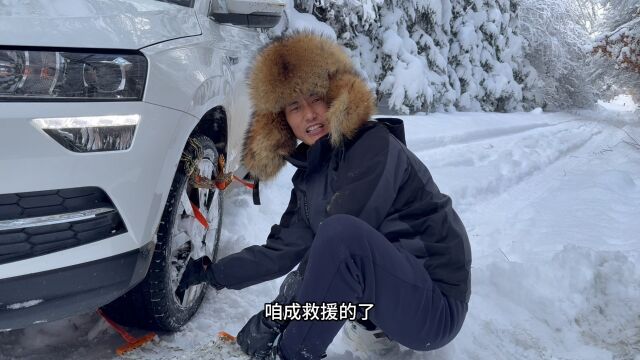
91, 133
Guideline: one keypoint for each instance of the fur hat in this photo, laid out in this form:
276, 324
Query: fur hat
294, 65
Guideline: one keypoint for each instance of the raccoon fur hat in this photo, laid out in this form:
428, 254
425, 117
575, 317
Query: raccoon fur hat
300, 64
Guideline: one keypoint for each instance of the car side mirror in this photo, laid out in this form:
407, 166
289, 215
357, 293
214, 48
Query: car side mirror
249, 13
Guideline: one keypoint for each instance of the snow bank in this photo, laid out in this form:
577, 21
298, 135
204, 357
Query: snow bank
580, 304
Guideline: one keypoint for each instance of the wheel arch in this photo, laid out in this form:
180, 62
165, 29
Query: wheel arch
214, 125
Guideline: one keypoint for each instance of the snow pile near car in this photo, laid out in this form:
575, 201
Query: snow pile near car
580, 304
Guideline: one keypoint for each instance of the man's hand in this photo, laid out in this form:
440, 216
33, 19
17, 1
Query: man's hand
257, 337
194, 273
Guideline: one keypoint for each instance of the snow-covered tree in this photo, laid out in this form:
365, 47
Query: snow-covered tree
558, 48
416, 58
401, 46
486, 55
587, 14
414, 52
621, 40
617, 49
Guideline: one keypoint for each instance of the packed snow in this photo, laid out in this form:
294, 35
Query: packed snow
622, 103
551, 202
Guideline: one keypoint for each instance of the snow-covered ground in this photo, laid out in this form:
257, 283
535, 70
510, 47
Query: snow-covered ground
551, 203
622, 103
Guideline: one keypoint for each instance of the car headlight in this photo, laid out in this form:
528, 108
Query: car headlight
71, 76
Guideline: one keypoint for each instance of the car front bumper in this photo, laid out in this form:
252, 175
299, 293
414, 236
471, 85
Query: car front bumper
136, 180
62, 292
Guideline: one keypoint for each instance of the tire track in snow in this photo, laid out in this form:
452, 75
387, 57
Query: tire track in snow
436, 142
604, 143
503, 162
594, 318
484, 152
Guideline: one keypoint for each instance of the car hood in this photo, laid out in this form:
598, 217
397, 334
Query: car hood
106, 24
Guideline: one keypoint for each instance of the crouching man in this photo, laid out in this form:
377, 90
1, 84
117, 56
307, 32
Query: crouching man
366, 223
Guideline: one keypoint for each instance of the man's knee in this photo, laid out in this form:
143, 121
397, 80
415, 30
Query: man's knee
341, 231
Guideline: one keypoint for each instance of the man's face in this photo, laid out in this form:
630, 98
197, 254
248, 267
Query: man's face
306, 116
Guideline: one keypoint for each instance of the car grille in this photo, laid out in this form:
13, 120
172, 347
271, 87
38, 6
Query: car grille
42, 222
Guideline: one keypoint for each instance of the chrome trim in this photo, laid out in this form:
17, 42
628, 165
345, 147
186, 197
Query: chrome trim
53, 219
87, 121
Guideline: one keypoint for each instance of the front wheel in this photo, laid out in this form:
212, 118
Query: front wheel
189, 229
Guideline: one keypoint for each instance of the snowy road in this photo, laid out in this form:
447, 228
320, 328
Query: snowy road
551, 203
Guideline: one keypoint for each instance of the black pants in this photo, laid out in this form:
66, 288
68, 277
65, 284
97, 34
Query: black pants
351, 262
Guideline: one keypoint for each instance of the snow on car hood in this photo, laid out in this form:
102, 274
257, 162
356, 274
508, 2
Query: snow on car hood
114, 24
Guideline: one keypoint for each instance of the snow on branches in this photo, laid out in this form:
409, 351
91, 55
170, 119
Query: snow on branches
616, 59
435, 55
558, 48
622, 45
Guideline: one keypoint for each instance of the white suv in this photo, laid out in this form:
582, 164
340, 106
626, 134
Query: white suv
106, 106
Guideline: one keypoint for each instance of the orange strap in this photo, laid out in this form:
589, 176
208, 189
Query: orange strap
119, 329
220, 183
243, 182
132, 342
201, 219
226, 337
224, 179
136, 344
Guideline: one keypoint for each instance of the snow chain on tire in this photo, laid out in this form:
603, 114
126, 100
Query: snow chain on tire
151, 304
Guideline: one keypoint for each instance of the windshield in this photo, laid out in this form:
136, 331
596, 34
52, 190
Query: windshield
187, 3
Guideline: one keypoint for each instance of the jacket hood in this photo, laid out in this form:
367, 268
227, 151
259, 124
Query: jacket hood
290, 66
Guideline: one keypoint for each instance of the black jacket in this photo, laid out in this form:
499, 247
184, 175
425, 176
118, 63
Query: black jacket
377, 179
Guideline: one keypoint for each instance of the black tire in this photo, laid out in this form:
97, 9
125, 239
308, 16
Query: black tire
153, 304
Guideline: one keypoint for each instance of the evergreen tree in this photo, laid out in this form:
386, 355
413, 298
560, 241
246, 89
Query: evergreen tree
434, 55
486, 54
